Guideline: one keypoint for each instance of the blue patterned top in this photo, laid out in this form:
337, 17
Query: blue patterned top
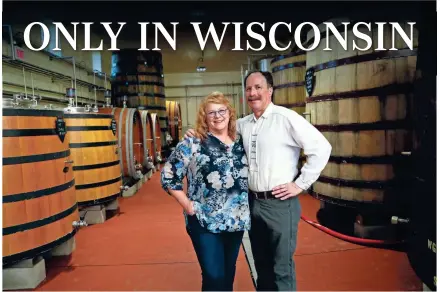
217, 181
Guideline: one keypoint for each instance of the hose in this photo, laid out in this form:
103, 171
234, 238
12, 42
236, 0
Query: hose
352, 239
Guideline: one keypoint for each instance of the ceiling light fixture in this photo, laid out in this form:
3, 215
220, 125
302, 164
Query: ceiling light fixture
200, 66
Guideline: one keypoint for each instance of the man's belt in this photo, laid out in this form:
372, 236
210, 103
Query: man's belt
262, 195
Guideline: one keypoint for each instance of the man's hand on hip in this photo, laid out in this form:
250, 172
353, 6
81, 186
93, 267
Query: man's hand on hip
286, 191
189, 133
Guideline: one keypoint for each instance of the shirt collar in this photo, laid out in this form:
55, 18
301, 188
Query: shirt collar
266, 113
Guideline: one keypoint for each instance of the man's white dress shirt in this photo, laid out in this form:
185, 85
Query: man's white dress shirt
273, 144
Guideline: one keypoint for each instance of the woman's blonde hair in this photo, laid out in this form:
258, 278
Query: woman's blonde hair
201, 125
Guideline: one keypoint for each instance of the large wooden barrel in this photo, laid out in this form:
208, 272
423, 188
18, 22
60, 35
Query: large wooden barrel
288, 77
175, 121
289, 86
129, 133
39, 203
155, 129
359, 100
147, 140
138, 78
94, 148
421, 189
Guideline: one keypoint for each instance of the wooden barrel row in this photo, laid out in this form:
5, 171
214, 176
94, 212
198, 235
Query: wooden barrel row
55, 162
139, 140
175, 121
360, 101
138, 83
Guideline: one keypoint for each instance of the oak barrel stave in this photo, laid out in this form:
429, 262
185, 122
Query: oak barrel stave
129, 135
95, 161
147, 140
174, 121
39, 203
155, 129
360, 102
288, 76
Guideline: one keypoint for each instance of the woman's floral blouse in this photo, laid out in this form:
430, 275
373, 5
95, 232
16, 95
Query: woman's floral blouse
217, 181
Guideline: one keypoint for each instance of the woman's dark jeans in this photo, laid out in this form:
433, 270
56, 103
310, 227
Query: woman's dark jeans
217, 254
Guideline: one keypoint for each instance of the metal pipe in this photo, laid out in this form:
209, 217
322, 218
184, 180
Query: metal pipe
94, 87
43, 71
74, 76
24, 81
44, 90
243, 88
64, 59
186, 103
32, 80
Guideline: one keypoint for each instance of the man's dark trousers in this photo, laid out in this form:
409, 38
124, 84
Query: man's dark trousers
217, 254
273, 235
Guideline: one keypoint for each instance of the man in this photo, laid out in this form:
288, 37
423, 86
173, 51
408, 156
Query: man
273, 137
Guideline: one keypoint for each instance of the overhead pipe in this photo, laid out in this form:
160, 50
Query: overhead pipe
89, 72
46, 98
43, 71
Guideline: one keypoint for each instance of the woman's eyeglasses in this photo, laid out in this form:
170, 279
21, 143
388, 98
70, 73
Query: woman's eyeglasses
221, 112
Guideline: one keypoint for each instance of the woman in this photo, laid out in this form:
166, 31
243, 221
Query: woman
216, 207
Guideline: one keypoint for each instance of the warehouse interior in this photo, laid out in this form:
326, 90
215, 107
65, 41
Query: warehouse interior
140, 242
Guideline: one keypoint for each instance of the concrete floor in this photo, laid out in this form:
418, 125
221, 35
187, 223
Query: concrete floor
145, 247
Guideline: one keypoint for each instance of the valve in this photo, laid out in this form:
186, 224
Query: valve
79, 224
397, 220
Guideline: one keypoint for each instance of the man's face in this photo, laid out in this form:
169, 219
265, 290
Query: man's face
258, 94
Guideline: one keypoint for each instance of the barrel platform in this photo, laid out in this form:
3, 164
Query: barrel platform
133, 131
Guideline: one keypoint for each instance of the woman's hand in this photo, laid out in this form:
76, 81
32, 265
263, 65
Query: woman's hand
189, 208
189, 133
184, 201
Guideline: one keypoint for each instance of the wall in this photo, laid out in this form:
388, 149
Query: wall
190, 88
